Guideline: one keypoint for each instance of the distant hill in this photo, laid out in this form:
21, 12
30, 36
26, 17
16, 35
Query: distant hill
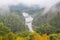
52, 17
23, 8
11, 16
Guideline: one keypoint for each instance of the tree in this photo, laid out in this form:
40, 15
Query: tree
3, 32
46, 28
55, 36
3, 29
11, 36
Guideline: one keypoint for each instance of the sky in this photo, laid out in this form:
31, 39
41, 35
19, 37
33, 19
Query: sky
28, 2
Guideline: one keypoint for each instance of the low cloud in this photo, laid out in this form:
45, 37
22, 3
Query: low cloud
28, 2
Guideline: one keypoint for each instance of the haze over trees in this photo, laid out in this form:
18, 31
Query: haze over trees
46, 27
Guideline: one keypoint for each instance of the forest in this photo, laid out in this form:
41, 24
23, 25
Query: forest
45, 26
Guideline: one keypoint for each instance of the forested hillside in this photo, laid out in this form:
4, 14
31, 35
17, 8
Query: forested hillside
13, 18
46, 26
51, 18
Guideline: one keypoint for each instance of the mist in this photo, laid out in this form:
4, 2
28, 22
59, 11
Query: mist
41, 3
48, 8
28, 21
47, 4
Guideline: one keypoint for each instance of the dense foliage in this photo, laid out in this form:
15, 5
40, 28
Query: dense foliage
46, 27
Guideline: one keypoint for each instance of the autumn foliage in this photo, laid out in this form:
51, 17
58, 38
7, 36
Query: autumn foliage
19, 38
40, 37
6, 34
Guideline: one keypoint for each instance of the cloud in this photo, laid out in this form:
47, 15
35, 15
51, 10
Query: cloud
28, 2
38, 2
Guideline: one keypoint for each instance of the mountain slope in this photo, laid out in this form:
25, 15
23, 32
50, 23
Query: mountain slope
13, 21
12, 16
52, 17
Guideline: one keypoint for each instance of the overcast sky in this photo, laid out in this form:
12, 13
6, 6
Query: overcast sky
29, 2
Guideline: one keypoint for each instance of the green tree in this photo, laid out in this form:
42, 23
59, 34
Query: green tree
11, 36
46, 28
3, 29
